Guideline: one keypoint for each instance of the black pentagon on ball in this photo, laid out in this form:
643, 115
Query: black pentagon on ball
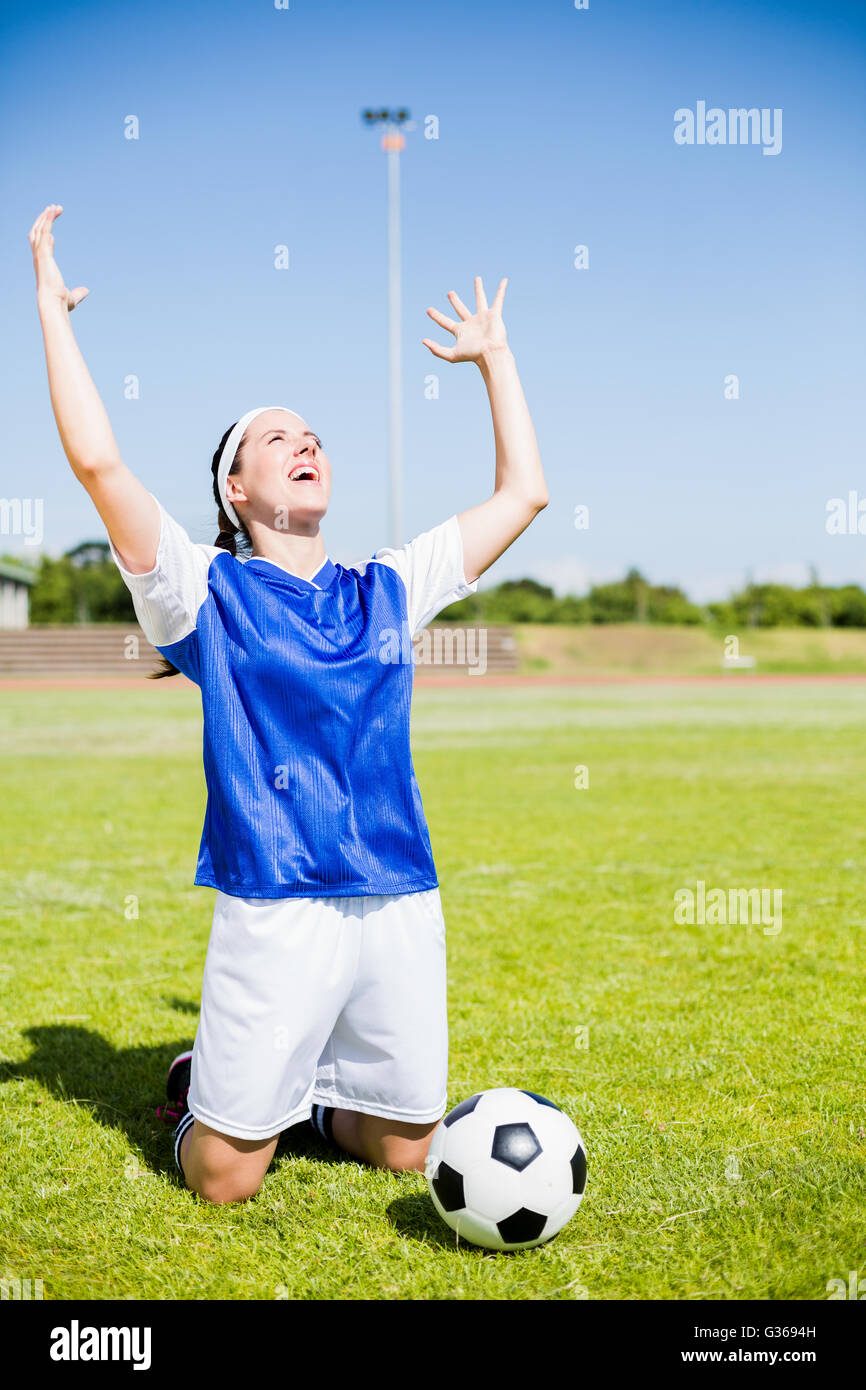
578, 1170
464, 1108
542, 1100
522, 1225
515, 1145
448, 1186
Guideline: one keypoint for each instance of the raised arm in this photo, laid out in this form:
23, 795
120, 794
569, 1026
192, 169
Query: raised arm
519, 489
130, 514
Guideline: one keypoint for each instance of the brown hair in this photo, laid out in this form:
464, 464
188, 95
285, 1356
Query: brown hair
233, 539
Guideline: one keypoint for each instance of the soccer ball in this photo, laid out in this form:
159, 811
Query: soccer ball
506, 1169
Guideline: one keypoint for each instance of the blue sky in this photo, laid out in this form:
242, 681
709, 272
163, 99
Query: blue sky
555, 129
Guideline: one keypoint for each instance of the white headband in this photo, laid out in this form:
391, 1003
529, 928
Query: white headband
230, 448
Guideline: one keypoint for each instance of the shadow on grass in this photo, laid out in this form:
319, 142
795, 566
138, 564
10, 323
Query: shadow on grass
122, 1086
182, 1006
416, 1218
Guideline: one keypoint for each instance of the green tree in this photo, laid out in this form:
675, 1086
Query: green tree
52, 598
83, 586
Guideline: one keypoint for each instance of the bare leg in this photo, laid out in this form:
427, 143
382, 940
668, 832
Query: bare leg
383, 1143
222, 1169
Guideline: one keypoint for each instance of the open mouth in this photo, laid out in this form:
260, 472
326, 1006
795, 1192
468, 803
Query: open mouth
304, 473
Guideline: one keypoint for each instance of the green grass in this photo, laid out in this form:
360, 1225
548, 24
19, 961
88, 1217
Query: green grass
621, 649
711, 1050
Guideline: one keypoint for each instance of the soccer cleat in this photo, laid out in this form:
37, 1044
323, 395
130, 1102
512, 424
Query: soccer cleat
176, 1088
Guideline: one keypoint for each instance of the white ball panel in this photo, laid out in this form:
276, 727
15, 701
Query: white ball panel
556, 1132
506, 1105
468, 1141
561, 1216
492, 1190
477, 1230
546, 1183
437, 1142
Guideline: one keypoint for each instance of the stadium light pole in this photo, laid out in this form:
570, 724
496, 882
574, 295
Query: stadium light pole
393, 142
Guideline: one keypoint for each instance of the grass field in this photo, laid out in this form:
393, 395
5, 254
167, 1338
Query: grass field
715, 1072
617, 649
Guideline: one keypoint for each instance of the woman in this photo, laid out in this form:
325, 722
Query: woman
323, 995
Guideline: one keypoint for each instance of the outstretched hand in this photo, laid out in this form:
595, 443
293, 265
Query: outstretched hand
475, 333
49, 281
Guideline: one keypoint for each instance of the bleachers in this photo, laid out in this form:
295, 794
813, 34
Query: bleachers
108, 649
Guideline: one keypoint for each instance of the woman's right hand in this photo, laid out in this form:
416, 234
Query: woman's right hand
49, 282
129, 511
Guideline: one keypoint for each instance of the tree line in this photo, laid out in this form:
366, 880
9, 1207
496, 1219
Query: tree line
634, 600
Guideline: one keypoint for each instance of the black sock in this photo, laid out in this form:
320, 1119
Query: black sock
322, 1120
184, 1123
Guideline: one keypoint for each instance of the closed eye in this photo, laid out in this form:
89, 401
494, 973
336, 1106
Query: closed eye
280, 436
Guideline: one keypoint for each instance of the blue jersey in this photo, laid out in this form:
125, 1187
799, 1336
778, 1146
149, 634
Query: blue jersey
306, 687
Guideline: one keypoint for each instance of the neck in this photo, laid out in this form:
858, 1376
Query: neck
302, 554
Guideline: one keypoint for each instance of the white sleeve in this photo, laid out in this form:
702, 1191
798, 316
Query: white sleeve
168, 597
431, 567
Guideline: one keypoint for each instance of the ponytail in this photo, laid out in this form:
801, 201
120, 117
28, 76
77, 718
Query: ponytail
227, 536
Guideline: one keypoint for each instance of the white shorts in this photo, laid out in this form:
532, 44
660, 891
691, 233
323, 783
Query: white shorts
329, 1001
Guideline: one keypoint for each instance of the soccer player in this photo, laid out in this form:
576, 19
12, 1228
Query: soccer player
324, 992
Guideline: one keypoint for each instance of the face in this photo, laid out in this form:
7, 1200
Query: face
284, 479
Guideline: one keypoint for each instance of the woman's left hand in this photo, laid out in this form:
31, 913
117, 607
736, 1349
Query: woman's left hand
475, 334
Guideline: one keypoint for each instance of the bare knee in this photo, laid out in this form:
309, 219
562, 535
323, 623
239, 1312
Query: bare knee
221, 1169
407, 1160
221, 1190
222, 1187
404, 1155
